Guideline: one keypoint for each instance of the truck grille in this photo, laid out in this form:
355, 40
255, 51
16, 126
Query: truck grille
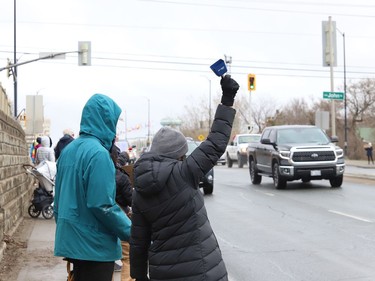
313, 156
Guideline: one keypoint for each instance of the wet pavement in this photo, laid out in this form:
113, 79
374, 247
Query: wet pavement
42, 233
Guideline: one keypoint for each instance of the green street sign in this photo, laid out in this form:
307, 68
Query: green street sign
333, 95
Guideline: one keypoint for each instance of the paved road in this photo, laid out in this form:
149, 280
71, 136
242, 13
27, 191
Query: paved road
307, 232
41, 265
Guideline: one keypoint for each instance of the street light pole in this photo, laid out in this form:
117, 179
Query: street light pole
126, 125
148, 142
209, 103
345, 101
345, 110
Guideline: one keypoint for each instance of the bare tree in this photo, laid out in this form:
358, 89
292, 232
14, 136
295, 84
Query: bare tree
361, 99
195, 119
263, 111
361, 105
298, 111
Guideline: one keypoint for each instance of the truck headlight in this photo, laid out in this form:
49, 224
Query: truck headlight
285, 154
339, 152
243, 150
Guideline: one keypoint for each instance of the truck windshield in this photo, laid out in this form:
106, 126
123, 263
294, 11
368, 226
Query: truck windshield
302, 135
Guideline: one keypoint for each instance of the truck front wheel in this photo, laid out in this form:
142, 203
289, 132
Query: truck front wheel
255, 178
278, 181
336, 181
240, 160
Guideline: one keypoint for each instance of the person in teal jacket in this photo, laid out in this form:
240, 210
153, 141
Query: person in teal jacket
89, 223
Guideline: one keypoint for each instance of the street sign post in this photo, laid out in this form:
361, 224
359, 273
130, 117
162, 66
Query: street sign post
333, 95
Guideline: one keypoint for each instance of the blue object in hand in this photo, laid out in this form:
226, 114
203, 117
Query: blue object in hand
219, 68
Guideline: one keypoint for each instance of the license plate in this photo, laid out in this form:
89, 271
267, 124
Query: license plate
316, 173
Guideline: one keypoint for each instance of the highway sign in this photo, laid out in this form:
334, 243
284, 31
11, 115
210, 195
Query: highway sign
333, 95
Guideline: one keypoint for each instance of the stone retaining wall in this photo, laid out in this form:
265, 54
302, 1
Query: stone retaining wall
16, 186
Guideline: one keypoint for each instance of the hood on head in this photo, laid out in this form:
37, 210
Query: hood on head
45, 141
99, 118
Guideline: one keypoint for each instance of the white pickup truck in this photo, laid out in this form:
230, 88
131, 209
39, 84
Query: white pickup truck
237, 149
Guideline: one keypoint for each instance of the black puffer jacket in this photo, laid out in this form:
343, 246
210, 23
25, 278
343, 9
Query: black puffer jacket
62, 143
170, 228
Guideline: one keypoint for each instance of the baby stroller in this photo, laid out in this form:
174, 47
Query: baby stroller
42, 199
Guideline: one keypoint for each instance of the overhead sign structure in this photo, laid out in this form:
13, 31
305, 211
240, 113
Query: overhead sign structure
251, 82
49, 55
333, 95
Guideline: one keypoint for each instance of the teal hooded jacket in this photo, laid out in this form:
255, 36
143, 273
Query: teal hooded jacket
89, 223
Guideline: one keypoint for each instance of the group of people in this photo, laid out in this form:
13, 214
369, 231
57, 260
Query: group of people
158, 223
41, 149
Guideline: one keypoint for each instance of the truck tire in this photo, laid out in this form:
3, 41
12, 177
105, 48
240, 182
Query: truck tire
336, 181
229, 162
278, 181
240, 160
255, 178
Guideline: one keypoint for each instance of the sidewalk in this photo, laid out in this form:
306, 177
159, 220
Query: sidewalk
359, 169
30, 253
30, 256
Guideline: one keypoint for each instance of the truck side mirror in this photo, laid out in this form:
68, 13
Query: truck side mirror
334, 139
231, 143
266, 141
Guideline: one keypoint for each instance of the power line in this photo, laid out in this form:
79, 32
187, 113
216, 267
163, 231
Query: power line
259, 9
205, 59
197, 64
304, 3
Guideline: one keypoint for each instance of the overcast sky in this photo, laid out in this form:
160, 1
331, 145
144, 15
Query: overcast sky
161, 51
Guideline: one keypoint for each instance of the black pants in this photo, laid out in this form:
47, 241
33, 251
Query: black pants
369, 157
92, 270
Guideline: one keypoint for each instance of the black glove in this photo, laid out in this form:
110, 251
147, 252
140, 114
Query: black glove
142, 279
230, 88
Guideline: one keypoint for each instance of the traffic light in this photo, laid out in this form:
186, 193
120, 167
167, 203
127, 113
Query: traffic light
9, 69
251, 84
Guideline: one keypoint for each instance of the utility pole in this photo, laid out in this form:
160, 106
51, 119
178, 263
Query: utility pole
331, 59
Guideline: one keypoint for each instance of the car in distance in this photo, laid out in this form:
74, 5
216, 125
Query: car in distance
207, 182
237, 149
222, 160
296, 152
